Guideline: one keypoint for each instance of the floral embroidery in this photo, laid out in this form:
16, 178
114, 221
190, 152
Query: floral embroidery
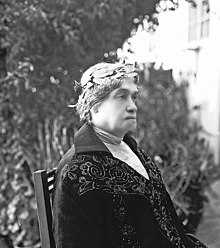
97, 172
157, 200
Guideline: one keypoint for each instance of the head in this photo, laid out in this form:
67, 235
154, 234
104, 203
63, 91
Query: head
108, 98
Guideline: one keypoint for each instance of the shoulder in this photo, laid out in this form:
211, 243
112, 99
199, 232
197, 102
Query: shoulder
147, 160
76, 165
65, 159
84, 172
150, 165
102, 172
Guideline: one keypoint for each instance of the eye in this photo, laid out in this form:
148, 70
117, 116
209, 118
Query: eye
135, 97
121, 96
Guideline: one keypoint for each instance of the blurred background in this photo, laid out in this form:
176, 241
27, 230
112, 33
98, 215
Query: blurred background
46, 45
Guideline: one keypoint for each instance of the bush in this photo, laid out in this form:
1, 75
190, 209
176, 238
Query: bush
169, 134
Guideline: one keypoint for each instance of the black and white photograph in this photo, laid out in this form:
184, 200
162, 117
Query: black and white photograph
109, 124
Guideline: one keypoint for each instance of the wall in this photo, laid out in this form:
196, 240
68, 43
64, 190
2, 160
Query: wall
204, 78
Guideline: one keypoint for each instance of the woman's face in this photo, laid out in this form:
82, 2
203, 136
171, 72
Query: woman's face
117, 113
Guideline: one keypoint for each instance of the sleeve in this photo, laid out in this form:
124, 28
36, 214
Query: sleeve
190, 240
78, 219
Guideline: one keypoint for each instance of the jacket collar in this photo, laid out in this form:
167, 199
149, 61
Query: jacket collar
86, 140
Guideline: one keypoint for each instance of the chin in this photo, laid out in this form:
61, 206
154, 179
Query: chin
132, 127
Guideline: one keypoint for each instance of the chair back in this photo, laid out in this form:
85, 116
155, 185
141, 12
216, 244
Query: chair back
44, 183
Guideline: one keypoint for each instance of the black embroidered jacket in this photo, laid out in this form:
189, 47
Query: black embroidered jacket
101, 202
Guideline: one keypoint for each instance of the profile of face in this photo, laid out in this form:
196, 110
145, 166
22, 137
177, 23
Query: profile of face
117, 113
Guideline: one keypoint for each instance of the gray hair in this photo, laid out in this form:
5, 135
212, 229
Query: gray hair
97, 82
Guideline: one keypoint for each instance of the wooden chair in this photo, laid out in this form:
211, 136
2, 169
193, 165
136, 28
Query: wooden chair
44, 182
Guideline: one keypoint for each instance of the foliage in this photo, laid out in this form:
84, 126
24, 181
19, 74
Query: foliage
18, 206
173, 138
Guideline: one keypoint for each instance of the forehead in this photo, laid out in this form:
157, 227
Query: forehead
128, 84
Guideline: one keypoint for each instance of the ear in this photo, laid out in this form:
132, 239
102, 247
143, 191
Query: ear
94, 110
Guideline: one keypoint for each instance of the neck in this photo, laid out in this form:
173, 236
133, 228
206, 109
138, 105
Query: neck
107, 137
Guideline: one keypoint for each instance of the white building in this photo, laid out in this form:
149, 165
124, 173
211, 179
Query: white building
202, 53
188, 41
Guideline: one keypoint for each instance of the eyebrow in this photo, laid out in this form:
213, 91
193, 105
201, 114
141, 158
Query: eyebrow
122, 90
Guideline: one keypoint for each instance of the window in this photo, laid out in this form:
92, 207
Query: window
199, 20
204, 19
192, 23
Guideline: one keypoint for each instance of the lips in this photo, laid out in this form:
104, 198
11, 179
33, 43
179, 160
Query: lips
131, 118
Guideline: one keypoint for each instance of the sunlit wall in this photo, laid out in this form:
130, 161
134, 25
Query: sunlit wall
203, 72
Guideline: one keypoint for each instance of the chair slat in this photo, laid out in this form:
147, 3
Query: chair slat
43, 189
50, 188
51, 173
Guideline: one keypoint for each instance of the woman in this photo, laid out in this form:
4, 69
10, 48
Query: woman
108, 192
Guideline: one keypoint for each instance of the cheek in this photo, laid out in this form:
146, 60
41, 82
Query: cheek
112, 112
110, 109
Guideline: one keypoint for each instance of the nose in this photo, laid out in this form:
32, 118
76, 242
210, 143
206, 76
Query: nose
132, 107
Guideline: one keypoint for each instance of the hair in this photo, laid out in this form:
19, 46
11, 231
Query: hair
98, 82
